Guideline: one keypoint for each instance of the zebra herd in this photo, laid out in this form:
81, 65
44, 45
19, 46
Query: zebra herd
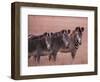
51, 43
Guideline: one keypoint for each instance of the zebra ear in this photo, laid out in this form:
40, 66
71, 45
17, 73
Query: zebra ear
77, 28
69, 31
45, 33
62, 31
51, 33
82, 29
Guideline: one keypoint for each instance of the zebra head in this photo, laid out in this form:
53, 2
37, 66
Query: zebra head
48, 37
65, 38
78, 35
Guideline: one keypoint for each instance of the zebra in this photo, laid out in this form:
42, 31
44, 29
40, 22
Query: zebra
59, 40
75, 40
38, 44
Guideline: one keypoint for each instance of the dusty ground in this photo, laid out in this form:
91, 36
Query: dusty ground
40, 24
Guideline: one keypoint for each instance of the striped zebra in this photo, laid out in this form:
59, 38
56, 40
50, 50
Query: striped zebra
37, 45
59, 40
75, 40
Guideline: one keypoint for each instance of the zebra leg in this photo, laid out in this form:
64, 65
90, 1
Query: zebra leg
35, 57
29, 56
49, 57
55, 54
54, 57
38, 58
73, 56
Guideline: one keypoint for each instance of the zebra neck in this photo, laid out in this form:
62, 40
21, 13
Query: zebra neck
74, 43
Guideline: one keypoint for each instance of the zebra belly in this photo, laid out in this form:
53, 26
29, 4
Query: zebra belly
64, 50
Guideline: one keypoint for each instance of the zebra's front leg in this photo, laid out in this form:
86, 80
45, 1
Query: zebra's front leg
49, 57
73, 53
29, 57
35, 57
54, 56
38, 58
